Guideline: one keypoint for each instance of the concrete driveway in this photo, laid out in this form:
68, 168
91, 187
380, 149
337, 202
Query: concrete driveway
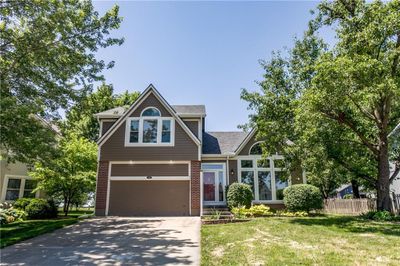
113, 241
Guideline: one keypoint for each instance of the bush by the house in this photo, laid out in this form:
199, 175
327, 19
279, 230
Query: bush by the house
380, 216
41, 209
239, 195
9, 214
302, 197
22, 203
263, 211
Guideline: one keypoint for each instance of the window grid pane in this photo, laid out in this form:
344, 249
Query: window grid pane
264, 185
246, 163
280, 184
151, 112
166, 131
150, 131
248, 178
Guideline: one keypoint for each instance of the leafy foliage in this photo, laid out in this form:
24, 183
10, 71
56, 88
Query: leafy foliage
47, 62
80, 118
336, 105
302, 197
70, 174
22, 203
41, 209
10, 215
238, 195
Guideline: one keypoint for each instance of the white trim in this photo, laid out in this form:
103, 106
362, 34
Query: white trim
146, 178
134, 106
21, 188
304, 175
150, 162
183, 115
140, 142
245, 141
254, 144
255, 169
191, 119
224, 177
201, 192
108, 189
151, 107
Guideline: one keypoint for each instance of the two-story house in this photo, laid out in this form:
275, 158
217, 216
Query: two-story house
157, 159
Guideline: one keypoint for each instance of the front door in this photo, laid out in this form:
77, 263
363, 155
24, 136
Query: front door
213, 183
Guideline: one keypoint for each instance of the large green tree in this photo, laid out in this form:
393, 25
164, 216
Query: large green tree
72, 174
80, 118
337, 104
47, 62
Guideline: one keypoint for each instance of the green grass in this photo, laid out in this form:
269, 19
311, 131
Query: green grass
333, 240
19, 231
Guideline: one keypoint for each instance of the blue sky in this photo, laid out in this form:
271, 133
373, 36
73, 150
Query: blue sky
201, 52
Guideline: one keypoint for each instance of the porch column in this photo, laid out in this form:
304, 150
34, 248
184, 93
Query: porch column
195, 188
101, 188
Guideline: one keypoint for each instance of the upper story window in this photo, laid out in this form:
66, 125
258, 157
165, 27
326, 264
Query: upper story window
256, 149
150, 129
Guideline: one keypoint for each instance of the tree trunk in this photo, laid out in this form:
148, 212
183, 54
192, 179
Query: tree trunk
383, 184
356, 190
65, 205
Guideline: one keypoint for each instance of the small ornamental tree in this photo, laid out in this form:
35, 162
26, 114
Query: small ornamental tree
72, 173
239, 195
302, 197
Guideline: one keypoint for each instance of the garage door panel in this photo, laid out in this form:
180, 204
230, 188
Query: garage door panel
150, 170
149, 198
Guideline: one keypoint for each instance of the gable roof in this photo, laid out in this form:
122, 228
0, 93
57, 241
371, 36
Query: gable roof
181, 110
190, 110
150, 89
222, 142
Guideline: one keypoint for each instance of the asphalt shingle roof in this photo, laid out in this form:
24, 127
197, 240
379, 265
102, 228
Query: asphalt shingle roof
222, 142
179, 109
189, 109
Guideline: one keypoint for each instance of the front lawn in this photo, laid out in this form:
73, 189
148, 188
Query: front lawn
332, 240
19, 231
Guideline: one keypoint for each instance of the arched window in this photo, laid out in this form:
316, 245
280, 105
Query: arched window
256, 149
151, 111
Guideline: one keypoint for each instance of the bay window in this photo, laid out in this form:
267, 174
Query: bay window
150, 129
266, 176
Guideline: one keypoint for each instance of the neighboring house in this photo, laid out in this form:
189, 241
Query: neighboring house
348, 189
395, 185
15, 182
157, 159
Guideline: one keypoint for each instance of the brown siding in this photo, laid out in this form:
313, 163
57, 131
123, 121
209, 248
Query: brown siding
246, 148
114, 148
106, 126
101, 188
193, 126
195, 188
151, 100
149, 198
150, 170
233, 166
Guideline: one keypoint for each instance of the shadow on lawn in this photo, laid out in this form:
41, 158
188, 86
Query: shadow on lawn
352, 224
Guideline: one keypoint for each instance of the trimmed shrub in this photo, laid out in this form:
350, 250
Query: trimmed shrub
41, 209
22, 203
239, 195
302, 197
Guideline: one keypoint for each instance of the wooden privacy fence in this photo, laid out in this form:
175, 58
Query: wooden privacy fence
349, 206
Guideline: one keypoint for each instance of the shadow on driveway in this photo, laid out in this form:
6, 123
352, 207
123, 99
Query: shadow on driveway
133, 241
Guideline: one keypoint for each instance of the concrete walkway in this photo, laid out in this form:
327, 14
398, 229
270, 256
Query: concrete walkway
113, 241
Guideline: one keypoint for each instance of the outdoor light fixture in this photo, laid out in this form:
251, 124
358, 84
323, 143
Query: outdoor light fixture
232, 172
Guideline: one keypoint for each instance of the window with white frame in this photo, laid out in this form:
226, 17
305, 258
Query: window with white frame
150, 129
16, 187
266, 176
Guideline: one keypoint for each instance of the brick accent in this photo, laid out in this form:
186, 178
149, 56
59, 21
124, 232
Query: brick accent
101, 188
195, 187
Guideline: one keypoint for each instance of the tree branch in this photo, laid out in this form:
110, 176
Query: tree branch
342, 119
